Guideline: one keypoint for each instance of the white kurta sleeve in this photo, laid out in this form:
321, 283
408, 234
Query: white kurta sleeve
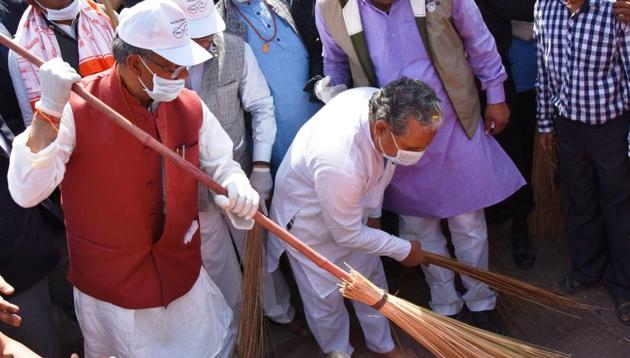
256, 99
32, 176
20, 90
340, 192
215, 149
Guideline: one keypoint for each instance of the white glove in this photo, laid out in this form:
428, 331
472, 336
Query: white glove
261, 181
325, 92
242, 201
56, 78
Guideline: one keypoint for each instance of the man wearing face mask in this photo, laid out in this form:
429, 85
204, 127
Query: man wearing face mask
77, 31
229, 84
131, 216
465, 170
328, 186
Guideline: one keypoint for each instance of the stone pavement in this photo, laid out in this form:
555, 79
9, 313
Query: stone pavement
592, 335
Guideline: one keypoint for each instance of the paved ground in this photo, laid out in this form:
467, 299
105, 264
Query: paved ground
593, 335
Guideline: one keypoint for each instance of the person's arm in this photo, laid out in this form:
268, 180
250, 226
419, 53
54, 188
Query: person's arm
20, 89
340, 192
12, 348
256, 99
336, 63
485, 62
545, 109
34, 174
215, 149
481, 48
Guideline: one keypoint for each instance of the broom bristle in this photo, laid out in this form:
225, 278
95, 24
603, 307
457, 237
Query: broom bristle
509, 285
251, 334
547, 219
443, 336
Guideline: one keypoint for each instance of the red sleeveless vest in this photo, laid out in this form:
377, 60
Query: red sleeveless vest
126, 247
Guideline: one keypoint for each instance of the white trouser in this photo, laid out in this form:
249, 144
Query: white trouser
470, 239
194, 325
222, 265
328, 317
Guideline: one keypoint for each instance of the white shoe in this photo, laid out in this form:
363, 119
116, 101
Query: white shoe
339, 355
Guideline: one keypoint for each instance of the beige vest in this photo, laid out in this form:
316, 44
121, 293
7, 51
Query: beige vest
439, 37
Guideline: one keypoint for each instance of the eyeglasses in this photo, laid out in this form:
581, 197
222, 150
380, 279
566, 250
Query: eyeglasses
174, 73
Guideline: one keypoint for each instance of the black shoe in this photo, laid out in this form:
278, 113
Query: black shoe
457, 316
523, 252
622, 310
570, 285
488, 320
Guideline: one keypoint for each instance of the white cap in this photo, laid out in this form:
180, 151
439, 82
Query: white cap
203, 18
161, 26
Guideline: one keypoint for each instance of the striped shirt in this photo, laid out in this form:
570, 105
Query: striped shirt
583, 63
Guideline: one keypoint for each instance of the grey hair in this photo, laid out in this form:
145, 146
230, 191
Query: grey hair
404, 99
121, 50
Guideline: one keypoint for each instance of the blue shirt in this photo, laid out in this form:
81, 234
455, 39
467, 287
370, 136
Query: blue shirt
523, 60
285, 66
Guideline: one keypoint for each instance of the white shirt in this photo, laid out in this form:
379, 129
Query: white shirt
331, 180
33, 176
255, 98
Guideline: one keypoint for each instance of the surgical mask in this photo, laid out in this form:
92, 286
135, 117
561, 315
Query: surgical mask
69, 12
164, 90
403, 157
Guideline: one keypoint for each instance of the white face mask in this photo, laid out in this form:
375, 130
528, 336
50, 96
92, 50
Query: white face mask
163, 90
403, 157
69, 12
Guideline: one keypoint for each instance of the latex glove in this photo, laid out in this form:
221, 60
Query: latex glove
242, 202
325, 92
261, 181
56, 78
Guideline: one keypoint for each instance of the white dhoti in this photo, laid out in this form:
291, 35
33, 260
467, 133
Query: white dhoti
470, 240
194, 325
328, 317
221, 263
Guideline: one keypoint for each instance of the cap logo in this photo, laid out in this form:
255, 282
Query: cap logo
181, 29
199, 6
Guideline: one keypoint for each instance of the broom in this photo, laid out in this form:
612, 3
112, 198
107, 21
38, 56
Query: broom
362, 292
547, 218
251, 336
109, 10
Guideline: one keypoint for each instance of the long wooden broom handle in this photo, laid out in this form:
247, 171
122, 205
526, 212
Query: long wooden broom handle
197, 173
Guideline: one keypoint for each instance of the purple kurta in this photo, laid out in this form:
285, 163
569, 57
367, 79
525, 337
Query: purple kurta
456, 175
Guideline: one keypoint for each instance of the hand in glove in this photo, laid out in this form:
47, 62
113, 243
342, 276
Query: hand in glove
56, 78
241, 203
325, 92
261, 181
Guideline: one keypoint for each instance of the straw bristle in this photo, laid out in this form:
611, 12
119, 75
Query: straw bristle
510, 286
547, 218
443, 336
251, 334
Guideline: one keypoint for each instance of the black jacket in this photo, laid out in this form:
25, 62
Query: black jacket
497, 15
28, 237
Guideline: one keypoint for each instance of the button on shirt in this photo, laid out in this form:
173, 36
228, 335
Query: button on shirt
583, 63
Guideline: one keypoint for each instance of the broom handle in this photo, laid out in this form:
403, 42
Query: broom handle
197, 173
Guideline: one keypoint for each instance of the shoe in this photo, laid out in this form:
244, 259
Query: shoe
523, 252
297, 327
488, 320
622, 310
569, 285
338, 355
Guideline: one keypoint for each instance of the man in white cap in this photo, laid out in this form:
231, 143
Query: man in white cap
229, 84
131, 216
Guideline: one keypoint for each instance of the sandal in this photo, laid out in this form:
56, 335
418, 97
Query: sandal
622, 310
569, 285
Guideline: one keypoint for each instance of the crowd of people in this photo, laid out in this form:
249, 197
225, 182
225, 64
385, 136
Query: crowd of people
336, 118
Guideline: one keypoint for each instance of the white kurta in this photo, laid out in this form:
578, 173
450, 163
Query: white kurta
331, 180
33, 176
